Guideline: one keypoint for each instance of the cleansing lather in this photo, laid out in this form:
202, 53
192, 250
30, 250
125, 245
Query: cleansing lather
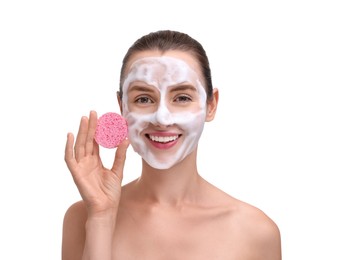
164, 103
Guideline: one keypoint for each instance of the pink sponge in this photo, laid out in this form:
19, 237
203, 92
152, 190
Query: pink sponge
111, 130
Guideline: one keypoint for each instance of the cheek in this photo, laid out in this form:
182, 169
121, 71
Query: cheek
190, 122
136, 122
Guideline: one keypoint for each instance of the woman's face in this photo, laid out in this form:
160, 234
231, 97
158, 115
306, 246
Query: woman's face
164, 102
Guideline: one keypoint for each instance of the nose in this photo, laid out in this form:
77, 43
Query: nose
163, 116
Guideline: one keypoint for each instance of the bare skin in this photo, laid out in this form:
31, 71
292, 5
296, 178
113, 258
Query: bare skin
164, 214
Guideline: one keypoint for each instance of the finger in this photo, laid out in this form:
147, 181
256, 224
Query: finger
79, 147
120, 157
92, 126
69, 156
95, 148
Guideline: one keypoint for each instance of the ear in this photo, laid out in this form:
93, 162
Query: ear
212, 106
119, 100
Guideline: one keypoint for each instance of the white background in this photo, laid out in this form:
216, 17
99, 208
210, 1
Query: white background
277, 141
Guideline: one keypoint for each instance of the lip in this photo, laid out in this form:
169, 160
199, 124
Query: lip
162, 139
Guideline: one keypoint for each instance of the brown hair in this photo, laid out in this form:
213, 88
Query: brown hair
165, 40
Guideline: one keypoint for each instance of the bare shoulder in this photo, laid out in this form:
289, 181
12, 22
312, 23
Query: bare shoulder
75, 215
260, 233
258, 224
73, 237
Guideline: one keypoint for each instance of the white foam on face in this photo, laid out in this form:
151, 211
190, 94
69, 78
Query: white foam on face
162, 73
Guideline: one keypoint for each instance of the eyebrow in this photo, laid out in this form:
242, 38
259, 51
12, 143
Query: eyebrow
141, 89
183, 87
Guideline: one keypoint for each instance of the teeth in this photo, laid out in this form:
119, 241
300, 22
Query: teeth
163, 139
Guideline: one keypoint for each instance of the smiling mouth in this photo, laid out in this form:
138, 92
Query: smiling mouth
162, 139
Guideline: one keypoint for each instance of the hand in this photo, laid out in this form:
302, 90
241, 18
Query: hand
99, 187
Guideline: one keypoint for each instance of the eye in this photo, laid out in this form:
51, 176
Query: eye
143, 100
183, 99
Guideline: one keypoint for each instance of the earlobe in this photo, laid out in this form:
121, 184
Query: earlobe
212, 106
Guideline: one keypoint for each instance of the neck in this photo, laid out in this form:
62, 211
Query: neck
175, 186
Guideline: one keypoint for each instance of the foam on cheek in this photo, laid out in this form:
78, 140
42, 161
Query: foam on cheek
163, 72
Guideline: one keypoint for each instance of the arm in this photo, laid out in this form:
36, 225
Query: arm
270, 242
74, 234
89, 225
84, 237
99, 234
264, 237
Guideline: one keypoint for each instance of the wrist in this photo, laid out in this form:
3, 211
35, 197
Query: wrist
107, 213
107, 217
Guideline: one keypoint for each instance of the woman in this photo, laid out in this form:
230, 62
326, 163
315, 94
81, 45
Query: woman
170, 212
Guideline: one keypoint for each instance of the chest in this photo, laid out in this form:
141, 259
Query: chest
183, 246
175, 237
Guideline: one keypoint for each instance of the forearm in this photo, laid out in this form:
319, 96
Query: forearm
99, 237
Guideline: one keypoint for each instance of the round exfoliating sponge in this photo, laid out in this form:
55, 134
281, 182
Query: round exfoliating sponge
111, 130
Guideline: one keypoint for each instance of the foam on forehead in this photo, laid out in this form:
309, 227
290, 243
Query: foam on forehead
161, 72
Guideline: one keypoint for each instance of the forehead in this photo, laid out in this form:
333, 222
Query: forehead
189, 59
